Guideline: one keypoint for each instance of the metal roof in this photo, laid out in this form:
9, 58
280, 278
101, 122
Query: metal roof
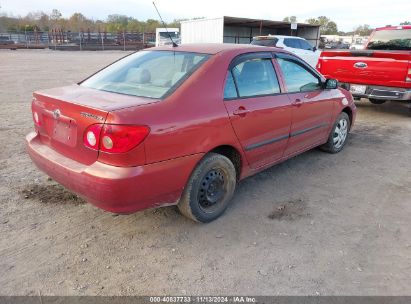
237, 21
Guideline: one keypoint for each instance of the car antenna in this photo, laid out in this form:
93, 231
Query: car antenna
169, 36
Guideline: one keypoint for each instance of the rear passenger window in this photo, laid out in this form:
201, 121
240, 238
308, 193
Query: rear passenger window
298, 78
292, 43
230, 91
265, 42
256, 77
305, 45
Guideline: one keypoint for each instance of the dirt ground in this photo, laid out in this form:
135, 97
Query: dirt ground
316, 224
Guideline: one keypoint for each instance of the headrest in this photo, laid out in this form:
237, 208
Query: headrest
252, 70
138, 75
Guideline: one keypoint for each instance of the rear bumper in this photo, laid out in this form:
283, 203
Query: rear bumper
115, 189
382, 93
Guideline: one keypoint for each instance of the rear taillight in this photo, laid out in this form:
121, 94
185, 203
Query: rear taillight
408, 78
115, 138
92, 136
122, 138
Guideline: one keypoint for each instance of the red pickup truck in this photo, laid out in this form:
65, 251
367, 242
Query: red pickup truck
380, 72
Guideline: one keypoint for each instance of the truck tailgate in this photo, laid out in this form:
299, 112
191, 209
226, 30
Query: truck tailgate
384, 68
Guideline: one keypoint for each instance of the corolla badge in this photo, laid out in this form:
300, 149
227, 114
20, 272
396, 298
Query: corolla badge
360, 65
56, 114
89, 115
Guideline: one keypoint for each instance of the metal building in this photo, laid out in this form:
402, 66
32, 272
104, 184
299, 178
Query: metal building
241, 30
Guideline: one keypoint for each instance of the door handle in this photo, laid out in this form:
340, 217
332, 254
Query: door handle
241, 111
298, 102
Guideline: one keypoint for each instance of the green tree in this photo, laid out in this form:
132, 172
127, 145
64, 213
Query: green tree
135, 25
363, 30
44, 21
405, 23
327, 26
312, 21
116, 22
151, 25
77, 22
55, 18
55, 14
290, 19
331, 28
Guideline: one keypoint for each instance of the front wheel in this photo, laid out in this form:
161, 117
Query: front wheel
209, 189
338, 135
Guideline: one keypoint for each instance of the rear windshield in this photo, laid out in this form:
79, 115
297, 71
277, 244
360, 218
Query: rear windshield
265, 41
152, 74
390, 40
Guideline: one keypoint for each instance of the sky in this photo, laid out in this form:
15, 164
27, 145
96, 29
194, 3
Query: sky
346, 13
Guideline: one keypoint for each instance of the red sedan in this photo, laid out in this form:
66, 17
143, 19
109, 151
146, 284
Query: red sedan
183, 125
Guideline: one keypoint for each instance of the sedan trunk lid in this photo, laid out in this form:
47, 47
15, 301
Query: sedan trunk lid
64, 114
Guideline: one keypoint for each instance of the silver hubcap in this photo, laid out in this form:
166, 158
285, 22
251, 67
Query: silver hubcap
340, 133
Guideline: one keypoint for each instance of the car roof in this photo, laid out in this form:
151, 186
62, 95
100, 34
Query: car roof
214, 48
279, 36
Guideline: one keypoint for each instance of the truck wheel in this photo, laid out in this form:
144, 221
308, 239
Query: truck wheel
377, 101
338, 135
209, 189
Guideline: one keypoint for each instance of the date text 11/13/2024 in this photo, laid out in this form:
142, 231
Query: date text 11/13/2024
202, 299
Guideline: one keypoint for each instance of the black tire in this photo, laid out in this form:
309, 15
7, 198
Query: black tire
336, 141
377, 101
209, 189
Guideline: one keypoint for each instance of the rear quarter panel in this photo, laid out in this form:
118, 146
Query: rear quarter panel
343, 101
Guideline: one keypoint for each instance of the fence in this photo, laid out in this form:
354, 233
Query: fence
24, 39
67, 40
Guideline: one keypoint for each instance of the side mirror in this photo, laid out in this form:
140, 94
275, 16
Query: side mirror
331, 84
314, 49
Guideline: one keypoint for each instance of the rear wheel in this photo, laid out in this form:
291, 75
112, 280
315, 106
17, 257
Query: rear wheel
377, 101
339, 133
209, 189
